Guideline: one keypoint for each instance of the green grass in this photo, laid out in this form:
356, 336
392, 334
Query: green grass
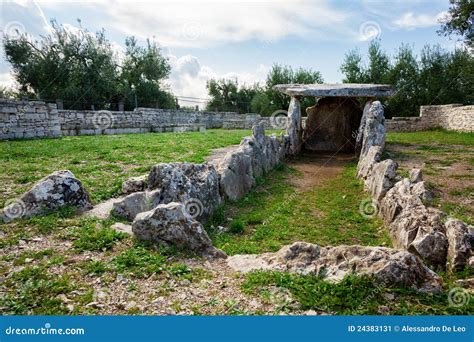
270, 216
142, 262
354, 295
274, 215
34, 291
102, 162
432, 137
94, 237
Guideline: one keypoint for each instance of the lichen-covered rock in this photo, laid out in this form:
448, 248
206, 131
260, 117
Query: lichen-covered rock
294, 127
382, 177
194, 185
169, 225
134, 184
400, 196
254, 156
415, 175
412, 225
54, 191
236, 174
420, 190
367, 162
460, 243
130, 206
390, 266
373, 133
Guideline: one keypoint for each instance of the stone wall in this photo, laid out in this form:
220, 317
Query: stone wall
452, 117
34, 119
28, 119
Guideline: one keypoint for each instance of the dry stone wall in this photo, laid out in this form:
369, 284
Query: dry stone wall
36, 119
28, 119
454, 117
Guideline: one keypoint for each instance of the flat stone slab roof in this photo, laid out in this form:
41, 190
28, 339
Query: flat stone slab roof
340, 89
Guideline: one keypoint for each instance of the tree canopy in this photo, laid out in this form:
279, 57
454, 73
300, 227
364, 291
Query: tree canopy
83, 70
460, 21
228, 95
436, 77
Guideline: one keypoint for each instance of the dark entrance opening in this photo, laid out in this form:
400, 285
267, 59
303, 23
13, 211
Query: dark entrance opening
332, 124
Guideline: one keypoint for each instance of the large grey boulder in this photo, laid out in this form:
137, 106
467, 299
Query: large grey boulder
382, 177
460, 243
169, 225
54, 191
390, 266
194, 185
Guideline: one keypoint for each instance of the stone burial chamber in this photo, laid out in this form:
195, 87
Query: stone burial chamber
333, 122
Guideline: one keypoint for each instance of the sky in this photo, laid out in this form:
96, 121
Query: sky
238, 39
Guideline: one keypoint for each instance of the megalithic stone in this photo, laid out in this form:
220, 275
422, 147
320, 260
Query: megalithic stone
294, 126
360, 132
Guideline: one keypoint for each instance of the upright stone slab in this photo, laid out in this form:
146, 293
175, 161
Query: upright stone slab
295, 128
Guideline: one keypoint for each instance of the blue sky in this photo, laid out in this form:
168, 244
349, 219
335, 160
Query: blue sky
239, 39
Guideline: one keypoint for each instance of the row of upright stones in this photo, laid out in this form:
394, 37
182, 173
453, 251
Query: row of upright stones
403, 203
175, 199
169, 205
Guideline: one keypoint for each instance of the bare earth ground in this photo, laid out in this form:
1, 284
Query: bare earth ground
316, 168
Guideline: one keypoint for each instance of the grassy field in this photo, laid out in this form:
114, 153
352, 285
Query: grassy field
274, 214
102, 162
65, 264
447, 161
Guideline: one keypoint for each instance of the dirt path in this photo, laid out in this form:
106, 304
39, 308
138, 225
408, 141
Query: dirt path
316, 168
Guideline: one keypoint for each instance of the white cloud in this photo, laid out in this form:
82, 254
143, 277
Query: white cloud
189, 77
7, 80
411, 21
203, 24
